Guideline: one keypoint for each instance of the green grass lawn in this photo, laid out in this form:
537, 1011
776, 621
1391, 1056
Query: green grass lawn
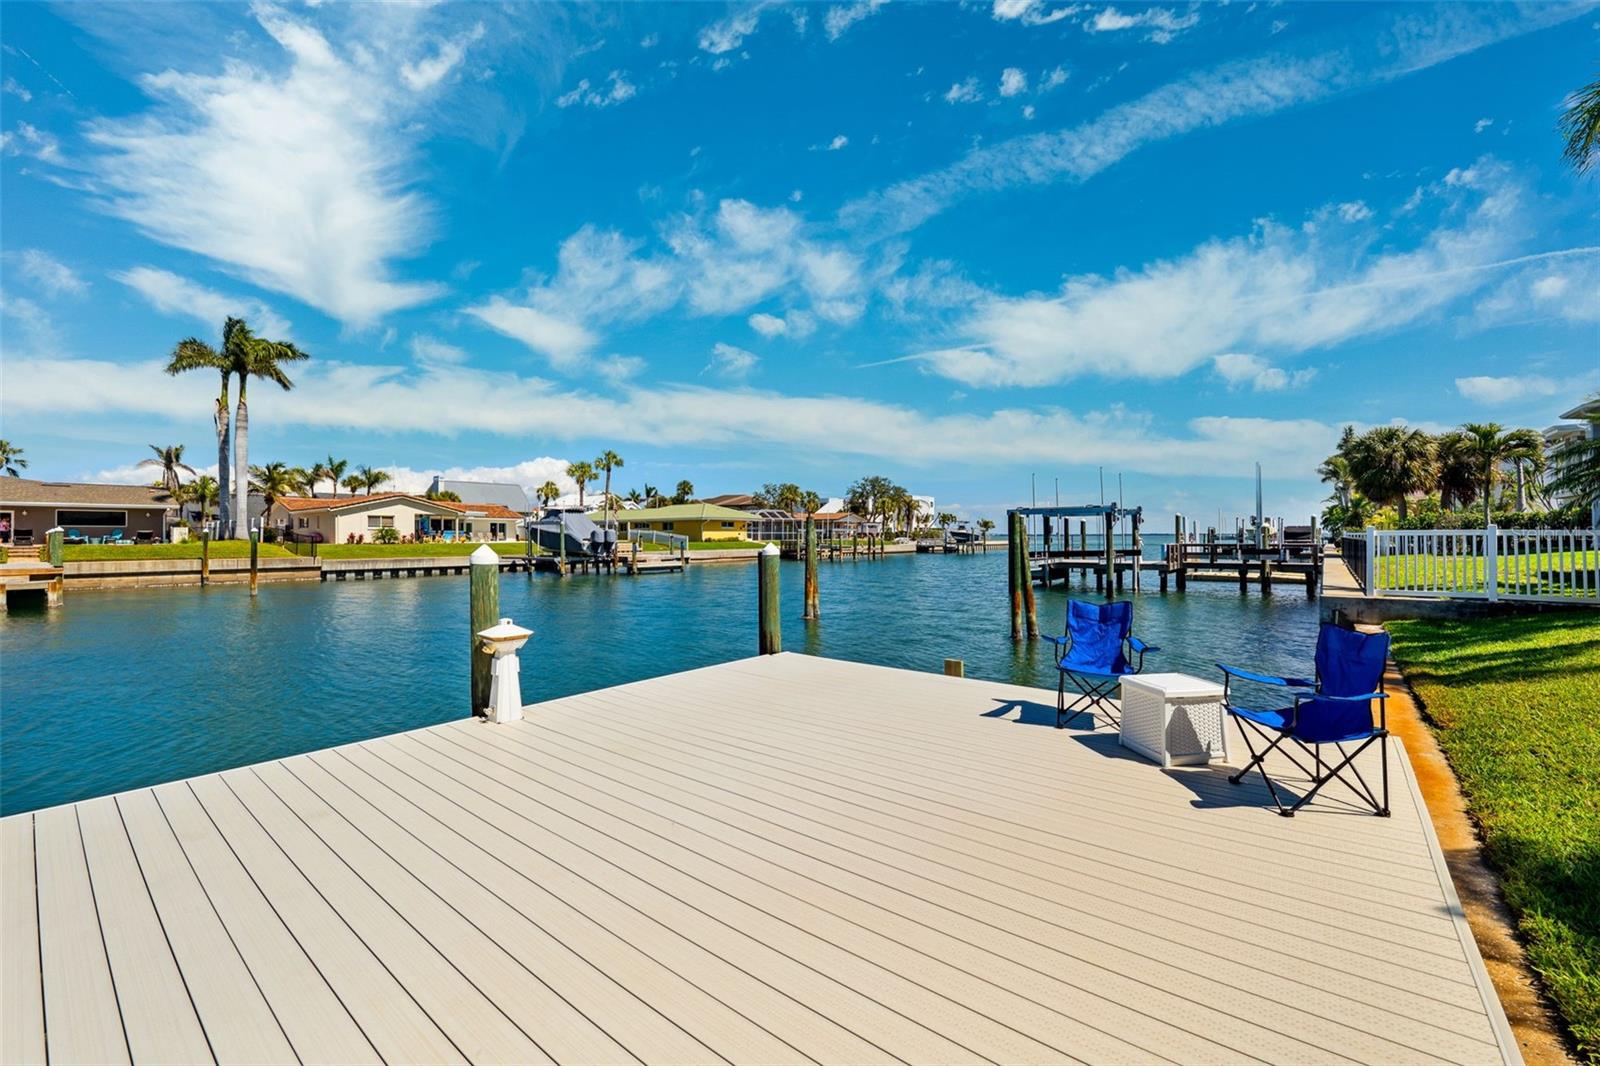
1516, 705
189, 549
418, 551
1466, 572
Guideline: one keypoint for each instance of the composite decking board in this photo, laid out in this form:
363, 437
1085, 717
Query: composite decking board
571, 1019
314, 1021
770, 860
1352, 977
474, 1023
544, 883
892, 886
157, 1012
396, 1026
905, 1021
21, 982
83, 1022
238, 1022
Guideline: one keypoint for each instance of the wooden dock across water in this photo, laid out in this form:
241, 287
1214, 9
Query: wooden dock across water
784, 859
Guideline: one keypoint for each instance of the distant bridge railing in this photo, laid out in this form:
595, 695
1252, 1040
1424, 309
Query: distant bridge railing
1538, 565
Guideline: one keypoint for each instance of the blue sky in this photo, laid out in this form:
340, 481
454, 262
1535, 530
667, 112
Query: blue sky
957, 244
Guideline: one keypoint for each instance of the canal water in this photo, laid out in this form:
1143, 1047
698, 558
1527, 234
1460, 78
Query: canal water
118, 690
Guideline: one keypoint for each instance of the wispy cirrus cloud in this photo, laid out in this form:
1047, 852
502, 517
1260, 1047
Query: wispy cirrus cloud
47, 274
199, 170
1371, 54
839, 18
1160, 24
172, 294
1490, 391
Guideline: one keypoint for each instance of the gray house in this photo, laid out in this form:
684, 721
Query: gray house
29, 508
503, 493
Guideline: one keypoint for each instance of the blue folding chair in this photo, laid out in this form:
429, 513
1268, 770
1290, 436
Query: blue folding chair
1334, 707
1094, 655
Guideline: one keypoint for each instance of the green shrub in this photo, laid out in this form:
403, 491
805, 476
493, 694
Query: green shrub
386, 535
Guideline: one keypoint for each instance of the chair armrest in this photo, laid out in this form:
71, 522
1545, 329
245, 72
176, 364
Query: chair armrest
1140, 646
1058, 641
1300, 697
1263, 679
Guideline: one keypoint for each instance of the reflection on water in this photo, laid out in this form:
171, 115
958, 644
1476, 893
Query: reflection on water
121, 689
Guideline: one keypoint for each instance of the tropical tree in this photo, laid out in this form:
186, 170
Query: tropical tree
333, 469
1457, 470
370, 479
653, 497
582, 473
986, 526
946, 519
204, 492
548, 493
274, 481
1492, 447
355, 484
870, 497
634, 496
11, 460
1389, 463
442, 494
684, 492
1335, 469
170, 460
1575, 467
305, 482
1580, 124
259, 358
606, 462
811, 502
193, 353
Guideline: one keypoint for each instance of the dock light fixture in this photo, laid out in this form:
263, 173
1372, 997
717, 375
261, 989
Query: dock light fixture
505, 689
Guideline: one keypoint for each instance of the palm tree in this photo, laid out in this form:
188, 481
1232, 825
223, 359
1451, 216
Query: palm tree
812, 502
195, 354
1458, 470
582, 473
259, 358
170, 460
1576, 466
274, 481
203, 492
684, 492
1581, 125
606, 462
1492, 447
652, 496
333, 469
1389, 463
1335, 471
370, 479
946, 519
355, 484
305, 480
548, 493
11, 460
986, 526
634, 496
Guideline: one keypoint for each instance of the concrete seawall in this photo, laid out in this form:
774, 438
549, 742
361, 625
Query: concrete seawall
153, 573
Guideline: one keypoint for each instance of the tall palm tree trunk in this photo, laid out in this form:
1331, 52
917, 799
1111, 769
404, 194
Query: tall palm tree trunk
241, 459
222, 458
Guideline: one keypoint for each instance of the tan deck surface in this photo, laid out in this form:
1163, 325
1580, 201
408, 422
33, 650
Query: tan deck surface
775, 860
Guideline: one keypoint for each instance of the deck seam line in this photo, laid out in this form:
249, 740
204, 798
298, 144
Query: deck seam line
963, 892
38, 930
162, 925
985, 859
111, 975
464, 917
576, 909
719, 921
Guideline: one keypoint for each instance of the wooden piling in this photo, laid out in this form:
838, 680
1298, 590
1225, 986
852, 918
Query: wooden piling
1266, 577
769, 628
1112, 577
255, 543
205, 557
1027, 583
1015, 550
483, 591
1083, 536
955, 668
813, 606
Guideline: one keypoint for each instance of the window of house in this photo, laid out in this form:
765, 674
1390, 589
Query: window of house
380, 521
91, 518
668, 525
302, 522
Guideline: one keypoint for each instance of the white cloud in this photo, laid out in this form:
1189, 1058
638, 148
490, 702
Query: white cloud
731, 362
1367, 55
299, 180
1053, 78
1492, 390
174, 295
1027, 111
31, 331
1354, 211
17, 89
563, 342
841, 17
453, 399
530, 474
1482, 124
1162, 22
1239, 369
1031, 12
768, 326
1564, 286
49, 274
614, 90
425, 73
964, 92
1013, 81
1279, 289
29, 140
426, 349
650, 40
727, 34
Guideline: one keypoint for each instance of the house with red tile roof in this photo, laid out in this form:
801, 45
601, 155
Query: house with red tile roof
340, 519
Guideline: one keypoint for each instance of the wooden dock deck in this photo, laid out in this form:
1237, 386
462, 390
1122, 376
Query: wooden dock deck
787, 859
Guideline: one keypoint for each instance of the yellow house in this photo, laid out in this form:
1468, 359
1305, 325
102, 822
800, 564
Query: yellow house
697, 521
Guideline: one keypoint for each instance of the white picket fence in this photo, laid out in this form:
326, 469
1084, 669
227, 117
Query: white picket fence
1553, 565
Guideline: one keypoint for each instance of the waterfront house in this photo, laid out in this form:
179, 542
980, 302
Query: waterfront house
697, 521
125, 512
738, 501
337, 521
503, 493
1585, 427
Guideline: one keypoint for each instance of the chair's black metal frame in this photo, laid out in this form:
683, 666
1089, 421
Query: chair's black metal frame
1322, 772
1093, 689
